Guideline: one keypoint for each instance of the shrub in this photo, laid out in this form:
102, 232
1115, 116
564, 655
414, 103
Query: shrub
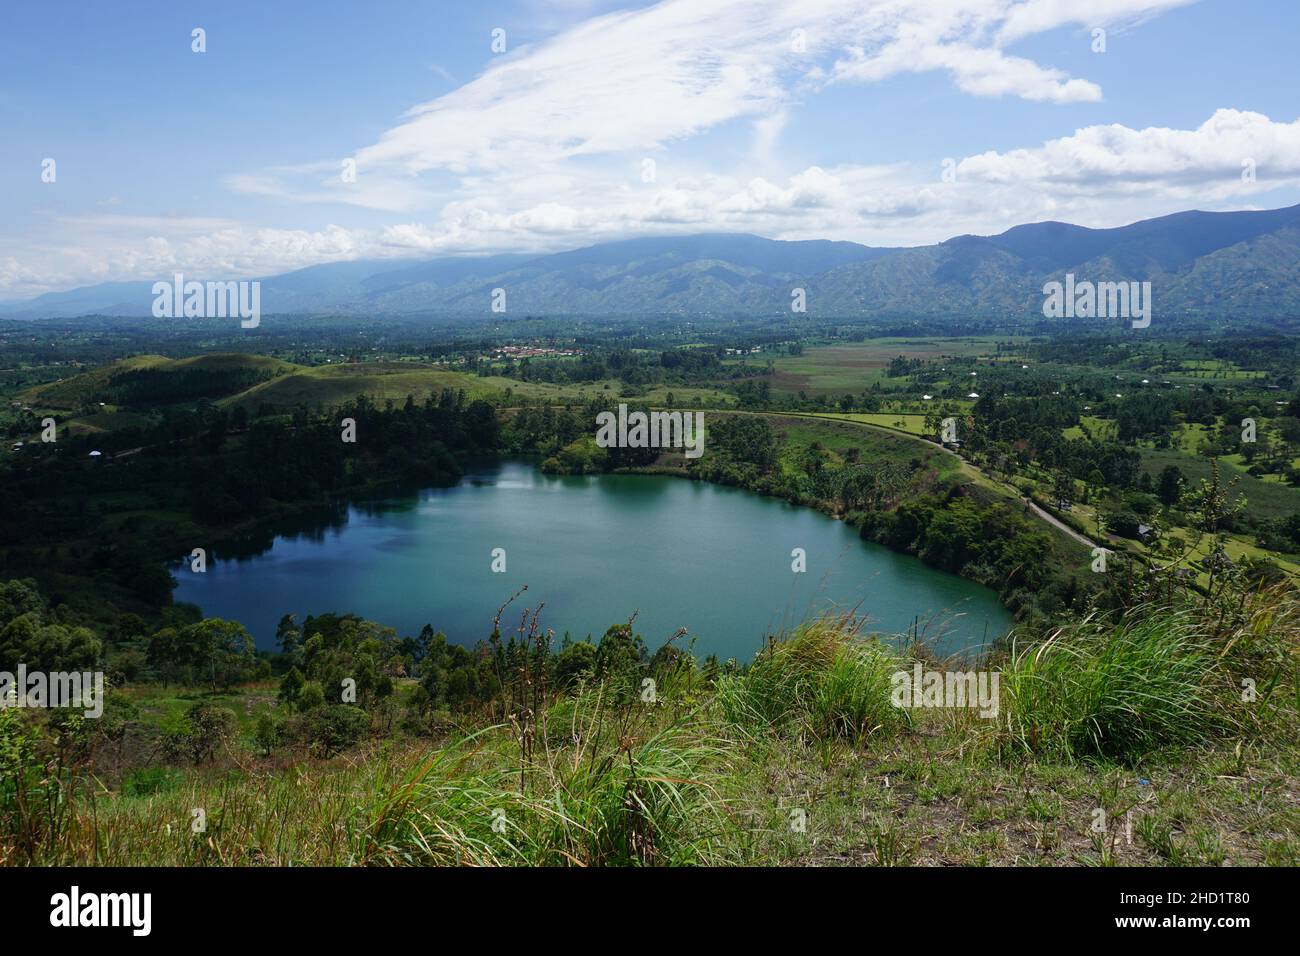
201, 734
311, 697
334, 728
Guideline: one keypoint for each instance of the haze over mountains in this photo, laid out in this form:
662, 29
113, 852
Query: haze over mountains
1199, 263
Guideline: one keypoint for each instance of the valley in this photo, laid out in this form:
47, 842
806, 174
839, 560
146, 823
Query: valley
995, 483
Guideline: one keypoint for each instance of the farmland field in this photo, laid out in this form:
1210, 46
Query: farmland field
834, 369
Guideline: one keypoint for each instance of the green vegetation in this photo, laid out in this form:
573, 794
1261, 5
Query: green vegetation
1163, 691
801, 757
155, 380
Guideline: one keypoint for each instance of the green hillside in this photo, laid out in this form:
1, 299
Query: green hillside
155, 379
336, 384
383, 381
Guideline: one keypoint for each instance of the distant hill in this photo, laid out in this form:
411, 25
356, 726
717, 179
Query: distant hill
155, 380
335, 384
1205, 263
145, 382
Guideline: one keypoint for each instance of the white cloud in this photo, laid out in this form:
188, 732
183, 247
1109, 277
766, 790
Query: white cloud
543, 150
211, 248
1039, 16
633, 82
1100, 156
1098, 176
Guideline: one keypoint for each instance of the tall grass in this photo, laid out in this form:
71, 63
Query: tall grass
304, 814
604, 777
657, 801
824, 681
1115, 689
447, 812
609, 784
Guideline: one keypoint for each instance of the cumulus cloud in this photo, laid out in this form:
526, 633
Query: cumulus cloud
1100, 176
546, 148
1213, 154
210, 248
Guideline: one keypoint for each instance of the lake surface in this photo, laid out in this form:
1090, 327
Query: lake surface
596, 549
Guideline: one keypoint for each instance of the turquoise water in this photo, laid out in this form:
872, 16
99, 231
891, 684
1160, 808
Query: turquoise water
595, 549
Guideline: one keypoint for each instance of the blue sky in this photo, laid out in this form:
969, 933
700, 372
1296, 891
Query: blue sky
816, 118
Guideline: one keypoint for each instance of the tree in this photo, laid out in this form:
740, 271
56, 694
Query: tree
291, 685
47, 647
30, 635
574, 662
1063, 491
347, 648
215, 652
287, 634
267, 732
621, 659
19, 597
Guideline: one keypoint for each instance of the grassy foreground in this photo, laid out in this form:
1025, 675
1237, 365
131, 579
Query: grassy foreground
1161, 736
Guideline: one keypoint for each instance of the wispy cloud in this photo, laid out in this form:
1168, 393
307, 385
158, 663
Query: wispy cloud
642, 80
546, 148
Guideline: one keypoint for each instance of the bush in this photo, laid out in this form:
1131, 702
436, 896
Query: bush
1123, 523
331, 729
203, 732
311, 697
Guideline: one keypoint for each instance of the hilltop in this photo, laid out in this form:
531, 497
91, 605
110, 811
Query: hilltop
156, 379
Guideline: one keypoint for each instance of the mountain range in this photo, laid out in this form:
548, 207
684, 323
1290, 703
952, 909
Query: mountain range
1199, 263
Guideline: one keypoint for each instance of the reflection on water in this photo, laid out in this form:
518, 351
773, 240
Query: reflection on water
596, 550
